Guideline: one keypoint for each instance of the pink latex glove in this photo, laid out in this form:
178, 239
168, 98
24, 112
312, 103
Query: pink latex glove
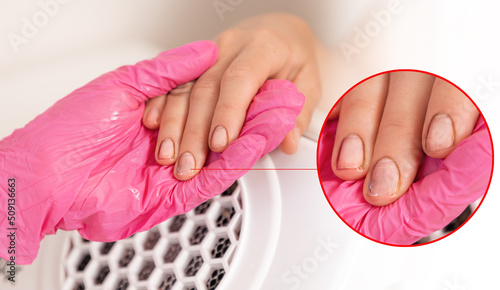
443, 189
88, 163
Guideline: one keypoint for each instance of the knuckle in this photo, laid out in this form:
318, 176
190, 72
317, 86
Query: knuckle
171, 122
195, 135
397, 129
155, 102
186, 87
406, 139
237, 72
358, 103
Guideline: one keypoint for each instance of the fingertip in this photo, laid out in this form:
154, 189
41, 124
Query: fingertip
440, 154
151, 118
165, 152
379, 200
348, 174
184, 177
153, 112
287, 147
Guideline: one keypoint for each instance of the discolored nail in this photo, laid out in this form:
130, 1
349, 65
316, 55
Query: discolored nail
219, 137
186, 164
385, 178
153, 116
351, 154
441, 133
166, 149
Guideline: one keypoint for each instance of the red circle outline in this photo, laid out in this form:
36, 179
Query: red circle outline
492, 157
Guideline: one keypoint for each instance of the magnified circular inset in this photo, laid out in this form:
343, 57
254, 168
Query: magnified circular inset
405, 157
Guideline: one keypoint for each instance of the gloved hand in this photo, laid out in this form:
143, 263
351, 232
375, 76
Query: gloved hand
443, 189
88, 163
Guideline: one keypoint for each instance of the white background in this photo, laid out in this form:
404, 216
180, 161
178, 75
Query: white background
458, 40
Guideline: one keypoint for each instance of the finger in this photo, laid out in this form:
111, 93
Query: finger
308, 83
278, 103
450, 118
433, 202
398, 147
193, 148
359, 118
153, 112
203, 99
171, 68
172, 125
239, 85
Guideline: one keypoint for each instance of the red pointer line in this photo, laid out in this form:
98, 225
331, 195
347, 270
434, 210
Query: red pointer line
256, 169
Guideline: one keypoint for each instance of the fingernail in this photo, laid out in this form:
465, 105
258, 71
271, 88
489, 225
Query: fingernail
166, 149
351, 154
186, 164
385, 178
441, 133
153, 116
219, 137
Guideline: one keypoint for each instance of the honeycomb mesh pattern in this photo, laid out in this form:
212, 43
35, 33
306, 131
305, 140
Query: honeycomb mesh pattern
198, 235
189, 251
102, 274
